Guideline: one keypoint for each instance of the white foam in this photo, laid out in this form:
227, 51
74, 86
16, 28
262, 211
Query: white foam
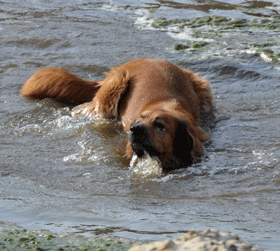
186, 34
70, 158
265, 57
274, 7
147, 166
28, 128
144, 21
261, 154
109, 6
249, 51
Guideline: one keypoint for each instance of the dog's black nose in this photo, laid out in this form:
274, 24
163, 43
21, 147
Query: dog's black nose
139, 134
137, 129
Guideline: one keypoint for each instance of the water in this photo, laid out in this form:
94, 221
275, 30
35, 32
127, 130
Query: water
66, 173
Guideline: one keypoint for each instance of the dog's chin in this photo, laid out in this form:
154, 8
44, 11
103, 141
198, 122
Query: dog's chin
138, 149
143, 152
142, 155
144, 149
169, 164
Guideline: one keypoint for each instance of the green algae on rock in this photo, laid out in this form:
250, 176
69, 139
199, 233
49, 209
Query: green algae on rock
13, 237
208, 34
218, 35
191, 47
152, 10
199, 44
180, 47
160, 22
262, 44
220, 22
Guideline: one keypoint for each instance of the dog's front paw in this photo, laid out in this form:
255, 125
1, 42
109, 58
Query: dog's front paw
88, 109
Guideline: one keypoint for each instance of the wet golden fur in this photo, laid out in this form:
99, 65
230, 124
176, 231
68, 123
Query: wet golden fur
150, 96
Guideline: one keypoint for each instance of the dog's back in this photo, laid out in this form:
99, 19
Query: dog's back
156, 80
133, 86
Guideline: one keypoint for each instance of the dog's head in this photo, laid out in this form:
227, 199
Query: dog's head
163, 136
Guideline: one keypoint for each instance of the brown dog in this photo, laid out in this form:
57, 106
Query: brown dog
158, 103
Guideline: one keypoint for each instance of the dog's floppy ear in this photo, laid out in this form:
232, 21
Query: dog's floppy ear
183, 143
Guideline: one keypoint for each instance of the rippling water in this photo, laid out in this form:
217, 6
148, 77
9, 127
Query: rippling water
67, 173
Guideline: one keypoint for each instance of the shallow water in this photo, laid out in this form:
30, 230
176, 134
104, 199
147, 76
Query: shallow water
66, 173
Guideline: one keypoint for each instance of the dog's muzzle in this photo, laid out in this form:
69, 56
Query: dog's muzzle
140, 141
138, 137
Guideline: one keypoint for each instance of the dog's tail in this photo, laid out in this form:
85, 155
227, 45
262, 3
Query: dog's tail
61, 85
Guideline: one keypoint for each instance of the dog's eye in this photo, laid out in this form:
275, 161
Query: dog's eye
138, 120
159, 126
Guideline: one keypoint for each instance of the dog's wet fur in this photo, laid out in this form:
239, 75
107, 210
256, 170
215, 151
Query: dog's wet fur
158, 103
